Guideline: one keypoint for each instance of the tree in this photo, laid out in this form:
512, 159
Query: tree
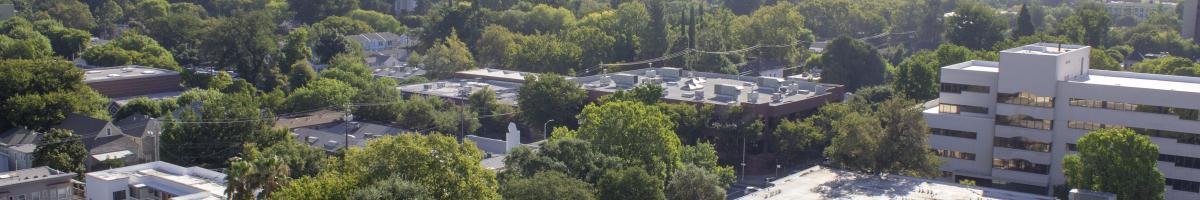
18, 40
497, 47
107, 17
916, 76
72, 14
302, 73
331, 37
181, 142
1118, 161
449, 55
595, 45
572, 156
40, 93
392, 188
631, 183
856, 144
694, 183
131, 49
60, 149
1089, 25
1165, 65
636, 132
852, 63
690, 121
547, 185
180, 33
321, 93
256, 176
834, 18
438, 164
1025, 25
547, 97
378, 21
904, 147
245, 43
545, 53
66, 42
146, 106
975, 26
779, 24
795, 137
484, 103
315, 10
456, 119
1101, 60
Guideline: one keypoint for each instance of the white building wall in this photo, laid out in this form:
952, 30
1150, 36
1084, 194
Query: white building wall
1056, 75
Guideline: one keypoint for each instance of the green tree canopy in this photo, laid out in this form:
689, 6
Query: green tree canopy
550, 97
1025, 25
1118, 161
378, 21
634, 131
131, 49
449, 55
694, 183
852, 63
60, 149
975, 26
547, 185
632, 183
321, 93
437, 164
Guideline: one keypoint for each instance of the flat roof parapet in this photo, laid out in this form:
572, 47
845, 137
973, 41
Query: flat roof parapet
1045, 49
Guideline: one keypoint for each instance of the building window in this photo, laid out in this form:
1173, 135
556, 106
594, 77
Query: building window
954, 154
119, 195
956, 109
1180, 161
1021, 143
1025, 98
1183, 185
1072, 147
1020, 165
959, 88
1024, 121
952, 133
1180, 137
1183, 113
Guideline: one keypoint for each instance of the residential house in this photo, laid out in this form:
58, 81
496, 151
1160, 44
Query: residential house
104, 141
39, 183
17, 148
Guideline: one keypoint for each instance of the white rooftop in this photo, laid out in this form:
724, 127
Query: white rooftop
1045, 49
1141, 80
184, 183
825, 183
122, 72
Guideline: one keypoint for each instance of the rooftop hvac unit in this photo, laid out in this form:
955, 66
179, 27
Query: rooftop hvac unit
752, 98
427, 87
651, 73
699, 94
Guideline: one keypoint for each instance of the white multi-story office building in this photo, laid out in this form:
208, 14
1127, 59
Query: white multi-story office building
1008, 124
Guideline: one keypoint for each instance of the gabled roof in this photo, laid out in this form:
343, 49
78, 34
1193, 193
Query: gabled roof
136, 125
83, 125
18, 136
111, 144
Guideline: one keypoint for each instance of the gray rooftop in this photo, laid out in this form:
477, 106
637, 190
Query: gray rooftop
711, 88
31, 174
460, 89
333, 137
825, 183
123, 72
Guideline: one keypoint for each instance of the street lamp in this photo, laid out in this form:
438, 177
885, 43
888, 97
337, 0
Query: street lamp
545, 132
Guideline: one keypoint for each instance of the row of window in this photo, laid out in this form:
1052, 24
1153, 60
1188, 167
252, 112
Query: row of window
954, 154
955, 109
1183, 185
952, 133
1024, 121
1183, 113
959, 88
1180, 161
48, 194
1025, 98
1181, 137
1020, 165
1072, 147
1021, 143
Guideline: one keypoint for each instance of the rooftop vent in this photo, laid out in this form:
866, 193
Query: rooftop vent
149, 72
114, 75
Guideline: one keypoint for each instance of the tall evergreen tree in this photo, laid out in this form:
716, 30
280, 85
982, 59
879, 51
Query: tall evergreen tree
1025, 25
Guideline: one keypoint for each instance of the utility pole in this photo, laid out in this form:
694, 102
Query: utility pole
545, 132
347, 123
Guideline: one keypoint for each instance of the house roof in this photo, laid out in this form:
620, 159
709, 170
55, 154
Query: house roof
111, 144
30, 175
136, 125
367, 37
309, 119
83, 125
20, 139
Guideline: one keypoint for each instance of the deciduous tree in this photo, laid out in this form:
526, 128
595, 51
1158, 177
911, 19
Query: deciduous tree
1118, 161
